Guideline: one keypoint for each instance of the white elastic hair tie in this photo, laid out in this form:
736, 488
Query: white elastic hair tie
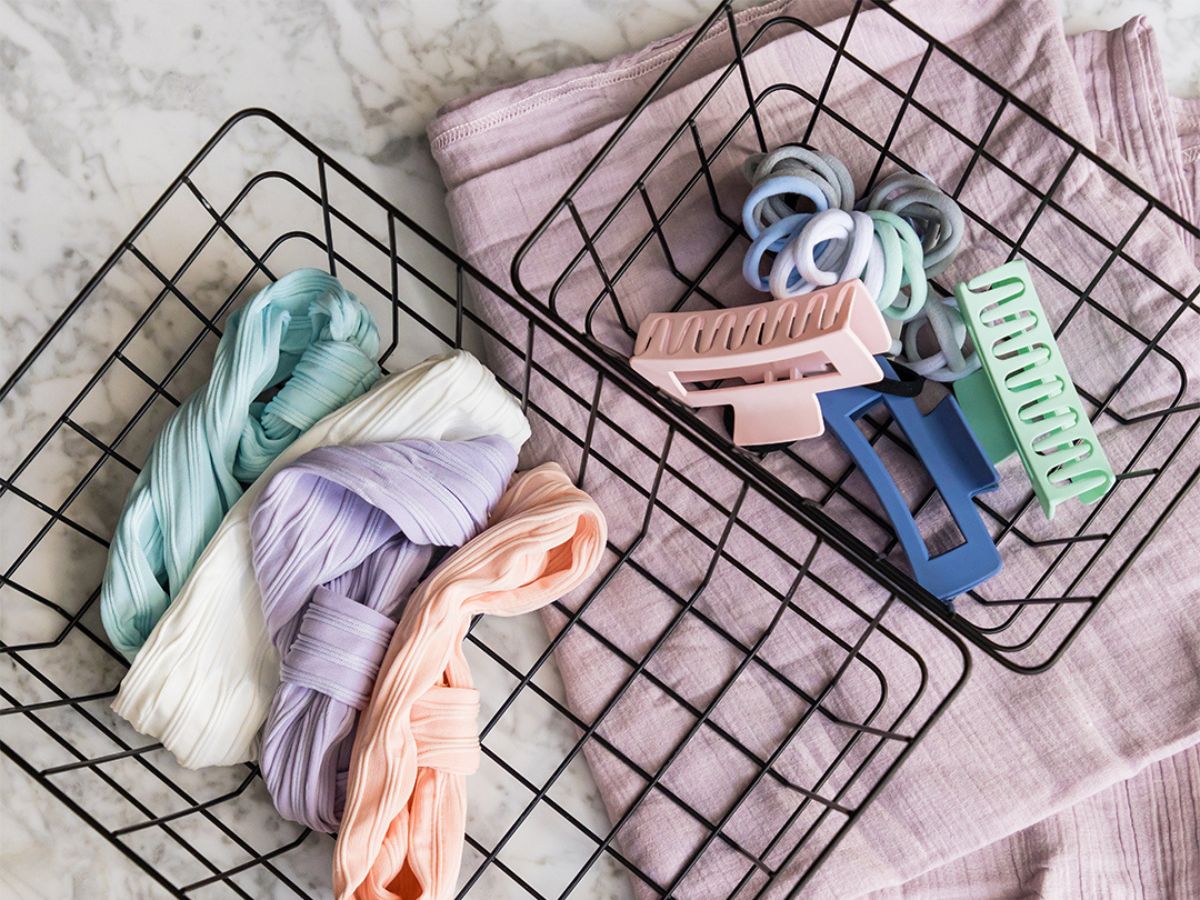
852, 231
203, 682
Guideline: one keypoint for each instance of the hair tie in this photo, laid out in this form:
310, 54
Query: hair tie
824, 169
757, 215
305, 332
785, 279
935, 215
832, 246
903, 267
850, 232
204, 680
771, 239
906, 382
947, 363
403, 829
340, 538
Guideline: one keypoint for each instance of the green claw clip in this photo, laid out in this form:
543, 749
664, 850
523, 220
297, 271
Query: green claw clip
1022, 398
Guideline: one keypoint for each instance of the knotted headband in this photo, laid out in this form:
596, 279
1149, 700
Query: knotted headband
340, 538
304, 330
403, 828
205, 678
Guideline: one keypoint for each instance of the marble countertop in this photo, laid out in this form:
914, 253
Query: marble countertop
104, 102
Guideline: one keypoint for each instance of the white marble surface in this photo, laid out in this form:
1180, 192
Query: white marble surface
104, 101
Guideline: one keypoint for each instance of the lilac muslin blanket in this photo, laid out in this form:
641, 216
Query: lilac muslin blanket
1012, 750
1138, 838
340, 538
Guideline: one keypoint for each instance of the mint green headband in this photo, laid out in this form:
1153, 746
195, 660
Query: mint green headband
305, 334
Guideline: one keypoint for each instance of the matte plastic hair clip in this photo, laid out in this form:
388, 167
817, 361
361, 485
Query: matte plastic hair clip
1022, 399
778, 354
957, 465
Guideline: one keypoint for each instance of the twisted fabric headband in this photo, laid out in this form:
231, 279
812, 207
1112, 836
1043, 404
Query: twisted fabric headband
340, 538
204, 680
402, 831
306, 331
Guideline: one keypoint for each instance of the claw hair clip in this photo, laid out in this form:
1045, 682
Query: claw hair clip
1022, 398
957, 465
772, 358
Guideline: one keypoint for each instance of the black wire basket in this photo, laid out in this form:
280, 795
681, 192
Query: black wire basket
879, 659
685, 205
151, 317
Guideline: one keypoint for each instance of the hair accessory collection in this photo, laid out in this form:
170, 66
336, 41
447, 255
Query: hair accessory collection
210, 715
340, 539
801, 211
270, 568
272, 563
785, 367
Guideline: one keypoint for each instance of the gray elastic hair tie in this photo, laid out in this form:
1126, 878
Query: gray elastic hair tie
935, 215
948, 363
824, 170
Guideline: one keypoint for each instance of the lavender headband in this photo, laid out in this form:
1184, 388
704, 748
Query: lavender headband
340, 538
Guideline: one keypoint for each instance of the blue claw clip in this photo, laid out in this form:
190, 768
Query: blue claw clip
948, 449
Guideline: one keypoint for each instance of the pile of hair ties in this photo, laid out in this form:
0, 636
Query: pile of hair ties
294, 565
804, 223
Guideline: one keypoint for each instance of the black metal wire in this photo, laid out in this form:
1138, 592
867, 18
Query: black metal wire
875, 739
908, 650
1026, 632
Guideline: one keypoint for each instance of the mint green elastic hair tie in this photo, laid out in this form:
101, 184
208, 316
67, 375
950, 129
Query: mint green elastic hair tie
903, 266
306, 335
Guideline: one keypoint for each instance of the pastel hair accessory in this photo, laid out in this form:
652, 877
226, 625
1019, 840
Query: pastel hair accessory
304, 334
934, 214
948, 363
948, 450
1022, 399
847, 241
403, 830
777, 355
771, 214
832, 246
771, 239
903, 267
204, 680
824, 170
757, 214
813, 249
340, 538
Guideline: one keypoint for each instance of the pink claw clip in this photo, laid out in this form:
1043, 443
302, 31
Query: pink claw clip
774, 358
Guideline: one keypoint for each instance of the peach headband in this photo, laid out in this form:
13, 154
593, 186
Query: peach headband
406, 803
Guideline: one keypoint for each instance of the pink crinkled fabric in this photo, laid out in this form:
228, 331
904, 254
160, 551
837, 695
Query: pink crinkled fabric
1022, 771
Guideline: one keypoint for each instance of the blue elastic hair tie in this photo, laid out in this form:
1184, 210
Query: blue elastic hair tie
771, 239
775, 186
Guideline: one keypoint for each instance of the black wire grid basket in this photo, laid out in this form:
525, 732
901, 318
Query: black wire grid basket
872, 662
1129, 368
